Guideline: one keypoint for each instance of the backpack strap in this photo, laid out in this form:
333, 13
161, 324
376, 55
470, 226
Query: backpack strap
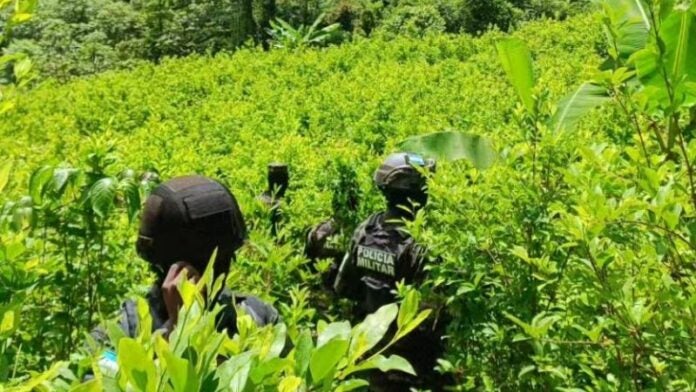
129, 318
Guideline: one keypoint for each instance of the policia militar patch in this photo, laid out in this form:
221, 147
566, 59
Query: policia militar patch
376, 260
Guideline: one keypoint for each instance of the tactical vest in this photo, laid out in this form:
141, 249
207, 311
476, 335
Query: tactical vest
384, 254
381, 255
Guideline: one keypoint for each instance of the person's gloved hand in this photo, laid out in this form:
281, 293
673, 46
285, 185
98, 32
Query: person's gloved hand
170, 292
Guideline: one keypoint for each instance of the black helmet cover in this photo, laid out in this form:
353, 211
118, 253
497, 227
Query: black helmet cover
186, 219
399, 178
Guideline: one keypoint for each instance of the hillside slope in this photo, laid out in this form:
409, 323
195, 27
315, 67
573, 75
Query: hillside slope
556, 264
234, 114
568, 265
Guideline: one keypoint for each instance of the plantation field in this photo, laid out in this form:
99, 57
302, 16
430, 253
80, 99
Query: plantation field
252, 107
564, 266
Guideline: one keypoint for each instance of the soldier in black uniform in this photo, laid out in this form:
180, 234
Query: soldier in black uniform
382, 253
317, 248
278, 182
184, 220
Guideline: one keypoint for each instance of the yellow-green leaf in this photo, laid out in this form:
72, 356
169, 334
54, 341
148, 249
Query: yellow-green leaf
678, 32
516, 60
290, 384
368, 333
326, 358
8, 322
136, 365
5, 169
577, 104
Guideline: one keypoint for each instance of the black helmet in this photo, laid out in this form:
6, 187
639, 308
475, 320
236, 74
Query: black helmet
186, 219
400, 181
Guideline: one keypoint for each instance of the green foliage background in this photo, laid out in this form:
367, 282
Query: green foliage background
244, 110
566, 266
70, 38
229, 116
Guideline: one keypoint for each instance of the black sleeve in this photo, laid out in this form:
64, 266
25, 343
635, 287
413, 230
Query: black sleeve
315, 243
129, 318
100, 337
348, 275
419, 258
316, 248
329, 277
416, 258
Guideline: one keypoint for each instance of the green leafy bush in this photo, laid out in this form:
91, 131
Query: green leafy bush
195, 356
59, 235
74, 38
599, 269
16, 69
311, 109
565, 265
413, 21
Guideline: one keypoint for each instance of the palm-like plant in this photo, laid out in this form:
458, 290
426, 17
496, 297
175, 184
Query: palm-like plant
283, 35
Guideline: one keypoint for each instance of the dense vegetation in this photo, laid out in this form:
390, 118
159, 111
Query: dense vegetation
566, 265
67, 38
